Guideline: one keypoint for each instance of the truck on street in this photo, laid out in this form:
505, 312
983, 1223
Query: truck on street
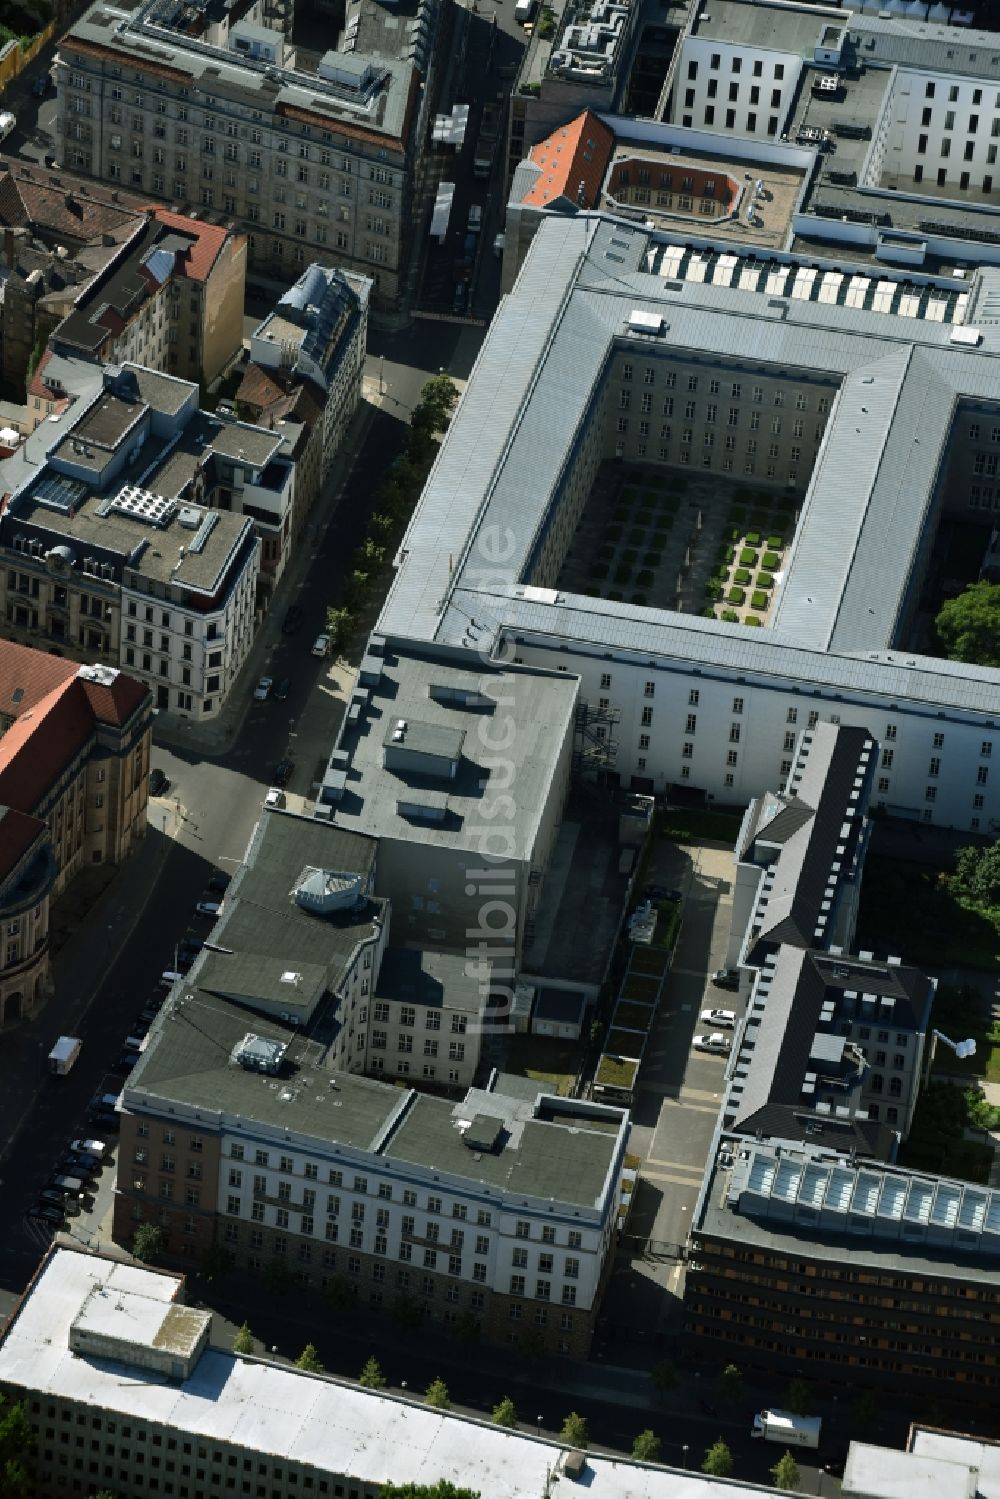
787, 1428
64, 1054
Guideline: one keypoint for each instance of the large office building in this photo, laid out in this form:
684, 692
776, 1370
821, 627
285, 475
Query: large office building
872, 415
313, 156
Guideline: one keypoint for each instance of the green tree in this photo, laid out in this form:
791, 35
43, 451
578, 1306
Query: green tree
309, 1360
148, 1243
646, 1447
574, 1431
17, 1444
731, 1383
785, 1472
799, 1398
339, 624
34, 359
968, 627
243, 1341
505, 1414
664, 1377
372, 1377
718, 1460
437, 401
440, 1490
437, 1395
216, 1261
863, 1411
980, 1113
977, 874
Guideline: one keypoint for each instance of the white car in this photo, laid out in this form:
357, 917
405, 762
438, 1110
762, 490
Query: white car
262, 691
321, 645
207, 908
719, 1017
89, 1147
712, 1041
7, 123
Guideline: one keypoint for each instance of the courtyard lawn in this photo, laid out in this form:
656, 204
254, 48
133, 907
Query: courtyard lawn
551, 1063
698, 825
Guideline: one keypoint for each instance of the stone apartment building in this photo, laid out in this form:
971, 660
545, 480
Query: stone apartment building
103, 277
74, 763
122, 537
306, 366
313, 158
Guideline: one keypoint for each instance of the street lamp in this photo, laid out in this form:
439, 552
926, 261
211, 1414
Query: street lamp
962, 1050
684, 1451
538, 1421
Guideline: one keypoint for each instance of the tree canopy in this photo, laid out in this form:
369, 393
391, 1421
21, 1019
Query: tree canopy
968, 627
148, 1242
17, 1443
243, 1341
309, 1360
574, 1430
505, 1413
440, 1490
977, 874
718, 1460
785, 1472
372, 1377
646, 1447
437, 1395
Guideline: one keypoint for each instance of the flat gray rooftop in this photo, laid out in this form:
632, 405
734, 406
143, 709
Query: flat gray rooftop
433, 980
779, 28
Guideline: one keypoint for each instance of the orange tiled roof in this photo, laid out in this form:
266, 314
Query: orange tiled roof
52, 730
259, 388
27, 675
575, 155
18, 832
209, 239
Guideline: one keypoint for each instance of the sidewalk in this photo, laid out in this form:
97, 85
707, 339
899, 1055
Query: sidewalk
218, 737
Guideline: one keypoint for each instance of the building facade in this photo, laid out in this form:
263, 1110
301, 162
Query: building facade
27, 878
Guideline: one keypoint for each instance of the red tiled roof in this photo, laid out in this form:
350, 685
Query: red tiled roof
259, 388
574, 156
27, 675
18, 832
51, 731
39, 386
209, 239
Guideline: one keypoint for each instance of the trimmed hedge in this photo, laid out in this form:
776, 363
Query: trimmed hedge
612, 533
645, 578
770, 560
775, 543
753, 538
742, 575
748, 557
736, 596
598, 571
752, 619
758, 599
730, 616
765, 580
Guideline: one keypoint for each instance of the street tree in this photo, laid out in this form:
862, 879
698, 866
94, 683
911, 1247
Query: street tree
786, 1473
646, 1447
968, 627
574, 1431
243, 1341
799, 1398
718, 1460
148, 1243
309, 1360
17, 1444
664, 1377
437, 1395
372, 1377
505, 1414
977, 874
731, 1383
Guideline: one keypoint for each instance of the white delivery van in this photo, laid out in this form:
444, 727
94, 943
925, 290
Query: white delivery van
523, 11
787, 1428
64, 1054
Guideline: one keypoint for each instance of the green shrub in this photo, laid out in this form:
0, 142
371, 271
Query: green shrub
652, 559
775, 543
623, 575
752, 619
730, 616
729, 554
742, 575
639, 598
708, 613
630, 493
748, 557
770, 560
636, 536
758, 599
765, 580
753, 538
598, 571
736, 596
736, 533
606, 552
621, 514
713, 589
612, 533
645, 578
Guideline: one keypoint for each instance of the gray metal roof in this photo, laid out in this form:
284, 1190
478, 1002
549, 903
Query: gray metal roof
531, 394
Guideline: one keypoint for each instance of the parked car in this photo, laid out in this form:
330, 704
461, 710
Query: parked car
282, 689
158, 783
40, 85
85, 1163
262, 691
459, 297
190, 945
53, 1198
292, 619
275, 798
71, 1165
207, 908
662, 892
49, 1213
321, 645
220, 882
282, 773
90, 1147
126, 1062
719, 1017
105, 1119
715, 1041
726, 978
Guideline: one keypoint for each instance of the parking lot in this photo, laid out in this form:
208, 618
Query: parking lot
677, 1097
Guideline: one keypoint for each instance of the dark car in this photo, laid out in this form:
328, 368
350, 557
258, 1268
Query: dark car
220, 882
282, 689
662, 892
292, 619
190, 947
726, 978
70, 1165
105, 1119
158, 783
40, 85
48, 1212
86, 1165
459, 297
282, 773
